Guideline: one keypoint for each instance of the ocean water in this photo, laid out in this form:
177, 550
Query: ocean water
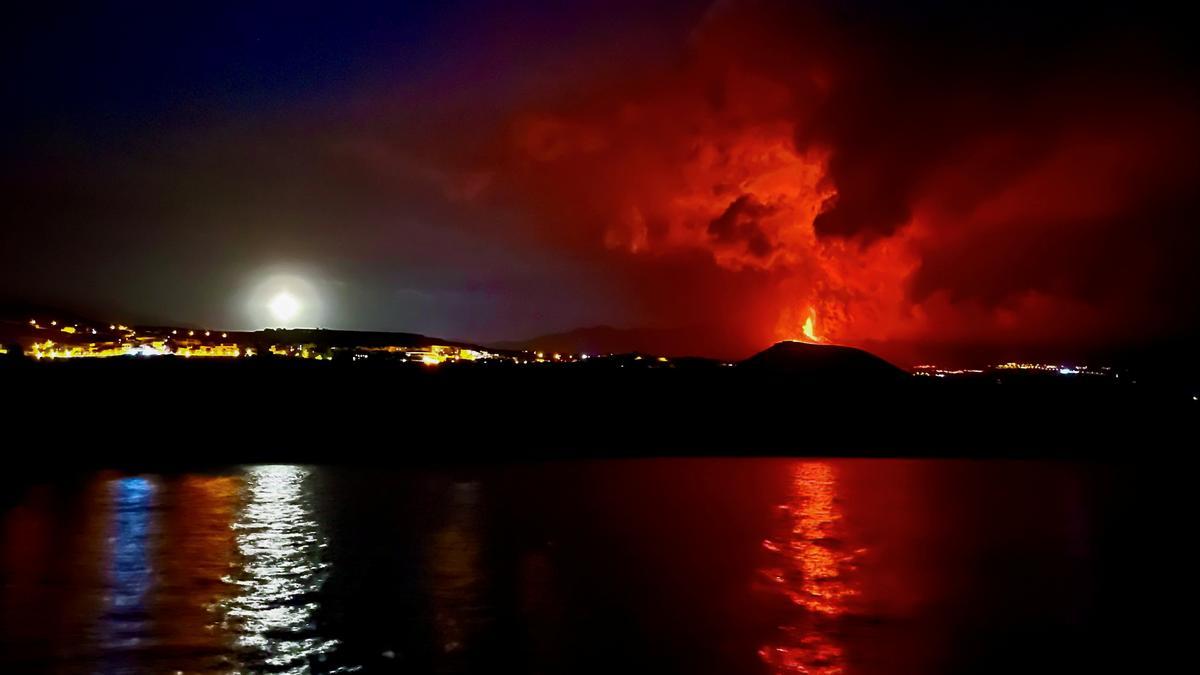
813, 566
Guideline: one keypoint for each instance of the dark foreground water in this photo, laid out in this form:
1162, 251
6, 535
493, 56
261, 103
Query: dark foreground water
663, 566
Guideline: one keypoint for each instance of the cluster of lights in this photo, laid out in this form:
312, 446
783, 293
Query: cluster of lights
299, 352
557, 357
1050, 367
928, 370
170, 342
129, 343
433, 355
51, 350
69, 330
222, 350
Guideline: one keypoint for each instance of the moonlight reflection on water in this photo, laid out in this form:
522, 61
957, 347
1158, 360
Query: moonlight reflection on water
281, 546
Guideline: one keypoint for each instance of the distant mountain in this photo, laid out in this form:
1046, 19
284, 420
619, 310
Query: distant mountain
15, 327
330, 337
674, 342
23, 311
822, 361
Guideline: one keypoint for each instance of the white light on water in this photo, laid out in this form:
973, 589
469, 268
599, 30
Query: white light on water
281, 546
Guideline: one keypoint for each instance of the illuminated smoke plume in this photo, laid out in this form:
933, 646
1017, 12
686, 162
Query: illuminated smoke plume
945, 176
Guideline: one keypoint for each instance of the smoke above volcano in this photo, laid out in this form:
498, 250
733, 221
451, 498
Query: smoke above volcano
986, 176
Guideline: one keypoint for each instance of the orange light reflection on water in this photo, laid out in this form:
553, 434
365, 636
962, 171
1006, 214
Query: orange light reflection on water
455, 570
812, 568
198, 550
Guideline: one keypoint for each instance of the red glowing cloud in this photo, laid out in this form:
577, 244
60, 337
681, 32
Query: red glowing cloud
906, 185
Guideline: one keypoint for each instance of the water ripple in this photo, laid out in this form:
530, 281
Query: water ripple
281, 546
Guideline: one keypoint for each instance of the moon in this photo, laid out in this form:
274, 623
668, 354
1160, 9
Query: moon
284, 298
284, 306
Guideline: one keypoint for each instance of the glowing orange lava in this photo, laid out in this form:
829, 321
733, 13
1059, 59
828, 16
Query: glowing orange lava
792, 329
809, 330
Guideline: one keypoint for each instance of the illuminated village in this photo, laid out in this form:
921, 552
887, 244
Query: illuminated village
53, 340
49, 340
927, 370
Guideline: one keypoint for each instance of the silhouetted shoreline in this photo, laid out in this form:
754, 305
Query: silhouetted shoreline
168, 410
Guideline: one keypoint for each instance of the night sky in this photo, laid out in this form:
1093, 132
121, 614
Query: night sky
927, 180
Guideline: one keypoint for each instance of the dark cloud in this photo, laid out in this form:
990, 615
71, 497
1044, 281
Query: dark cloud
739, 224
